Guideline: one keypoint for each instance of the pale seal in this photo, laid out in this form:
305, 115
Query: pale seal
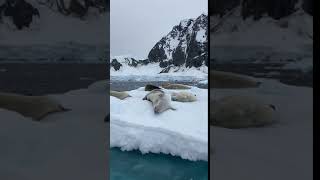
36, 107
175, 86
241, 112
119, 95
183, 97
160, 101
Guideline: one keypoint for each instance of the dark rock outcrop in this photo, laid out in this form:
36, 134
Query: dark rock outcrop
197, 52
273, 8
115, 64
20, 11
308, 6
77, 7
221, 7
257, 8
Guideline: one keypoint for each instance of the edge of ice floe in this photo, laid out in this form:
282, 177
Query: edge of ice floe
129, 136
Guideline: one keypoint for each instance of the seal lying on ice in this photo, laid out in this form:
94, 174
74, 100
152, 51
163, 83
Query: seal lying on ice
183, 97
219, 79
150, 87
119, 95
36, 107
175, 86
241, 112
160, 101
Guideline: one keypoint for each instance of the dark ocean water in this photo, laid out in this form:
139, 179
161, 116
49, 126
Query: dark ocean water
49, 78
294, 77
135, 166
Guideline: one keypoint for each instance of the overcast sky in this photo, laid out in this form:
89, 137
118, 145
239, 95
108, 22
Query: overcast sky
136, 25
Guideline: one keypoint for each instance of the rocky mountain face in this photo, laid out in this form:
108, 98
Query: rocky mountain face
185, 46
260, 29
257, 8
22, 12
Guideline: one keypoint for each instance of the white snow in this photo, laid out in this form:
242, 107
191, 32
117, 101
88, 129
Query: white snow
69, 145
184, 23
184, 132
201, 36
281, 151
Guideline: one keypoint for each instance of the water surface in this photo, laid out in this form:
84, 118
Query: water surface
133, 165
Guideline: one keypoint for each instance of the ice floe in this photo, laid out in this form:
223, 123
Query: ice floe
183, 132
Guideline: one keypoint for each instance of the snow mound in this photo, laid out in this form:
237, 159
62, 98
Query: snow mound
184, 132
36, 150
280, 151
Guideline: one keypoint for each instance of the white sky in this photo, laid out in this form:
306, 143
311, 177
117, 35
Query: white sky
136, 25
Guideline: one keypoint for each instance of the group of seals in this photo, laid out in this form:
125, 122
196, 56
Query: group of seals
175, 96
160, 101
238, 111
35, 107
241, 112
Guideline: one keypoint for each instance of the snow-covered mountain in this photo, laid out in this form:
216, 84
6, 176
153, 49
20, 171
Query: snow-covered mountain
183, 48
54, 30
269, 30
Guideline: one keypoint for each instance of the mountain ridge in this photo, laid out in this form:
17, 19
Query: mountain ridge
185, 46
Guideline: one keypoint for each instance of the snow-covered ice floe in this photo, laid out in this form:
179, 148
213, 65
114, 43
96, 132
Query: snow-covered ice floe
62, 144
183, 132
279, 151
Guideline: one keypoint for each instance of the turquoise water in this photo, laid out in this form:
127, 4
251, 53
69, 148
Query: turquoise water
135, 166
